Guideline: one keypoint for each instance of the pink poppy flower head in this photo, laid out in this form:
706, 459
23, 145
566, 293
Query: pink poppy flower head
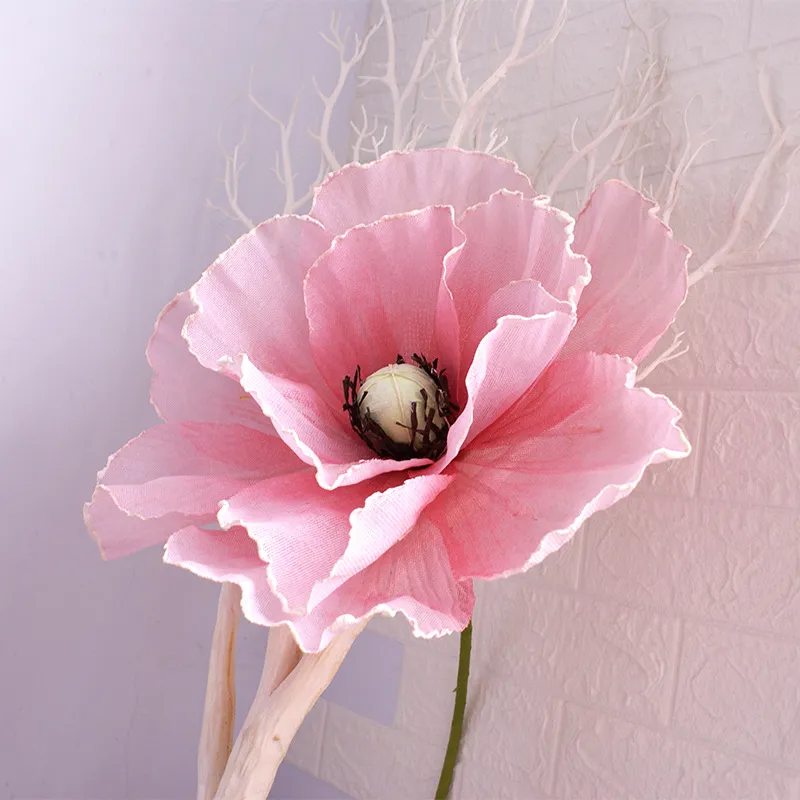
414, 386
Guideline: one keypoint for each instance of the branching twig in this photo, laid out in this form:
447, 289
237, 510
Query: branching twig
674, 350
780, 133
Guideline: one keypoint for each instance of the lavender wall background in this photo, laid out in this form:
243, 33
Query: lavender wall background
111, 111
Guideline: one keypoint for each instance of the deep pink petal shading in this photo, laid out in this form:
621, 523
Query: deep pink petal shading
301, 530
383, 520
511, 238
378, 292
639, 277
578, 442
177, 473
408, 181
416, 581
250, 301
182, 390
508, 361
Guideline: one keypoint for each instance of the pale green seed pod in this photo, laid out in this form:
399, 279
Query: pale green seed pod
388, 394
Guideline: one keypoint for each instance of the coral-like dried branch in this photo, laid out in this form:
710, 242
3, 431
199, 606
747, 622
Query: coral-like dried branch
464, 124
727, 250
338, 42
230, 180
675, 349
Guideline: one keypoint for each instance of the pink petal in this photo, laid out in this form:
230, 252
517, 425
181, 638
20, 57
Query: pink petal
383, 520
508, 361
378, 292
182, 390
301, 530
413, 577
250, 301
228, 557
638, 274
416, 581
408, 181
576, 443
173, 474
511, 238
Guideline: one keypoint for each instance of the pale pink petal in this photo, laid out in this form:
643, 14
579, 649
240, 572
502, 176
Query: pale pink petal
250, 301
228, 557
301, 530
511, 238
407, 181
177, 473
508, 361
318, 434
576, 443
638, 274
413, 578
378, 292
184, 391
383, 520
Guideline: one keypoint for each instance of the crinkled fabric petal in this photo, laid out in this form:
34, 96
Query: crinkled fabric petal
250, 301
419, 584
413, 577
407, 181
384, 518
639, 277
318, 434
177, 473
511, 238
379, 292
578, 442
508, 361
182, 390
228, 557
301, 530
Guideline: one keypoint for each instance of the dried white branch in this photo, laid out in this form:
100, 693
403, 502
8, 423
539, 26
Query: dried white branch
675, 350
230, 180
465, 121
780, 132
346, 64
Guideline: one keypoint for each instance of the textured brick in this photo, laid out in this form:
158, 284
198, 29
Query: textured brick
366, 760
676, 477
566, 645
426, 696
738, 565
751, 452
589, 52
520, 721
697, 34
774, 21
605, 758
742, 691
735, 326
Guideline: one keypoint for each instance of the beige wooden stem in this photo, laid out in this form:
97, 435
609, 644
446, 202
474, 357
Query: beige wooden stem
216, 736
276, 714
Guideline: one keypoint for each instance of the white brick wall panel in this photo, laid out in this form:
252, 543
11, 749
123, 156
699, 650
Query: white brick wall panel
604, 758
735, 326
774, 21
589, 650
751, 452
713, 560
742, 691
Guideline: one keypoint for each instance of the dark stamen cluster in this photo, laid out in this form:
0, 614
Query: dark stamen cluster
428, 440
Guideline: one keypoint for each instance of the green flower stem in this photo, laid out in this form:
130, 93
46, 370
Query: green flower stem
457, 725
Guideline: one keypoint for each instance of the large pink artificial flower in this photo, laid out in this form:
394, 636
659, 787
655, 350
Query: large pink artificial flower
414, 386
